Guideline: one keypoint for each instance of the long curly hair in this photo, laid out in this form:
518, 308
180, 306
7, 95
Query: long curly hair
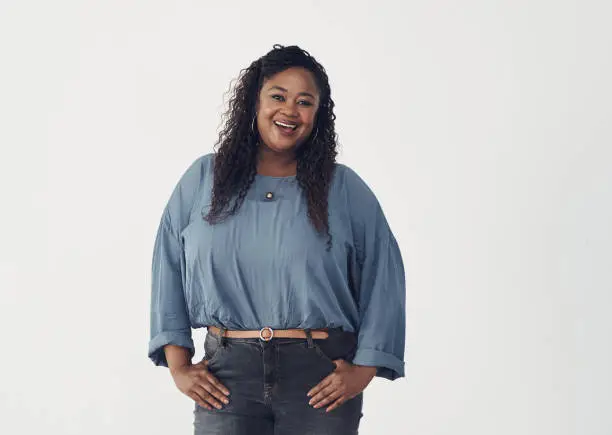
235, 164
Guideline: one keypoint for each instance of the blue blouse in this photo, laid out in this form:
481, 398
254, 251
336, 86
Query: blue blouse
267, 266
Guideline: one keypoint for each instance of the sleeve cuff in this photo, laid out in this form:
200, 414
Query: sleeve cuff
388, 365
178, 338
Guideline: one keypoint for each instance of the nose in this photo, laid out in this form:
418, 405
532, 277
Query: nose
290, 109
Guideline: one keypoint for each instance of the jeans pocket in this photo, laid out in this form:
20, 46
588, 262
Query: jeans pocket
343, 346
324, 357
212, 348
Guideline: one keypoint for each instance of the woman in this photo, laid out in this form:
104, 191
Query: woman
286, 257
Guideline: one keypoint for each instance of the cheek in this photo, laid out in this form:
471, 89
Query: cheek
265, 114
308, 116
264, 119
309, 121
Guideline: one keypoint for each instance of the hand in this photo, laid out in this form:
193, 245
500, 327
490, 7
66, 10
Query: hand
197, 382
343, 384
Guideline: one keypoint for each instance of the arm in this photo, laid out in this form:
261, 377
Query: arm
381, 291
176, 356
382, 303
170, 323
169, 318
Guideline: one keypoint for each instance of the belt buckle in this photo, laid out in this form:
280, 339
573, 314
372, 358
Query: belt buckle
271, 333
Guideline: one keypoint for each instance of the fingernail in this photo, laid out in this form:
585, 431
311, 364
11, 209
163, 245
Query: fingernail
225, 401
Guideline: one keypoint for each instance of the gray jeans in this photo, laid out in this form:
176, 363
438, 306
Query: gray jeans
268, 382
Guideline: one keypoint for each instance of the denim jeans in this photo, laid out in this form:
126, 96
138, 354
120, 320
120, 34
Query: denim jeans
268, 382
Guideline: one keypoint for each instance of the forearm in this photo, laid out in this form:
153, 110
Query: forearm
371, 370
177, 356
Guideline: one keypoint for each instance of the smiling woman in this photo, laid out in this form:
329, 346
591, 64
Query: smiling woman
286, 256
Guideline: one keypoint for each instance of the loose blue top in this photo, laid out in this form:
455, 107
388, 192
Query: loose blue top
268, 266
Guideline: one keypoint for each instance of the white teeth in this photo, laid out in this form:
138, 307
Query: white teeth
285, 125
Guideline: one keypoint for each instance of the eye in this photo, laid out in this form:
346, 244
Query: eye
278, 97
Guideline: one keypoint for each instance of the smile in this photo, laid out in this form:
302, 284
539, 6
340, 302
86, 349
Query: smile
286, 129
282, 124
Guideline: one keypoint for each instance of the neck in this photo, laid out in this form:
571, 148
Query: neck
276, 164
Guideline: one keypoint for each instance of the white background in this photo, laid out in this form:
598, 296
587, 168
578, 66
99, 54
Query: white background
482, 126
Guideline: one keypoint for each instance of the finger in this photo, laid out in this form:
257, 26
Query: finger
199, 400
326, 391
213, 380
207, 396
333, 395
324, 383
322, 394
218, 394
336, 404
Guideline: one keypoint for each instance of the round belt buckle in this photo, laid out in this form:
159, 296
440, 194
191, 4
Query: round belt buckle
271, 333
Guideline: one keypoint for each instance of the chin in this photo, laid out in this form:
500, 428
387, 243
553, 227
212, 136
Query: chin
282, 146
281, 150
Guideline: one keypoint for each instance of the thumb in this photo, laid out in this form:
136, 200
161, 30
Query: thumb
338, 362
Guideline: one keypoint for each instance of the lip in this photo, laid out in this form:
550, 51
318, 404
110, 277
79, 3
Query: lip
286, 133
284, 121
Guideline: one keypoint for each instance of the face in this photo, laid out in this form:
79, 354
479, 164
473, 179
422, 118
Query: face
289, 97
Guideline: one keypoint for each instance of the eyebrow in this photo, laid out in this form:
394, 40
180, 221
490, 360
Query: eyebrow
308, 94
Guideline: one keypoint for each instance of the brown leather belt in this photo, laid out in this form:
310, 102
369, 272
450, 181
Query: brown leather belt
266, 333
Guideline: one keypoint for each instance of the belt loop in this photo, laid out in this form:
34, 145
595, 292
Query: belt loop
223, 341
309, 337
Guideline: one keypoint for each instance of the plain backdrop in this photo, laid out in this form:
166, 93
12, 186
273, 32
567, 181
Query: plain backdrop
482, 126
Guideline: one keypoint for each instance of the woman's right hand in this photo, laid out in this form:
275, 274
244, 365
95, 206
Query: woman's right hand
197, 382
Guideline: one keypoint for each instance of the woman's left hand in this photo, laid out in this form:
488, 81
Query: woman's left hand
343, 384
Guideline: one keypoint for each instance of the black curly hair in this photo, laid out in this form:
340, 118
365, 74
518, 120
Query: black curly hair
237, 148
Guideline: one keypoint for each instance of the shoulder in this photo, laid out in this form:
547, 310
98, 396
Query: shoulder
194, 175
197, 169
357, 191
186, 190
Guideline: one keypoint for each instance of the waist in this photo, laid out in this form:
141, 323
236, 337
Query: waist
266, 333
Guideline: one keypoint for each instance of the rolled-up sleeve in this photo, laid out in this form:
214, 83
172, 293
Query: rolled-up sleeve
381, 294
169, 319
